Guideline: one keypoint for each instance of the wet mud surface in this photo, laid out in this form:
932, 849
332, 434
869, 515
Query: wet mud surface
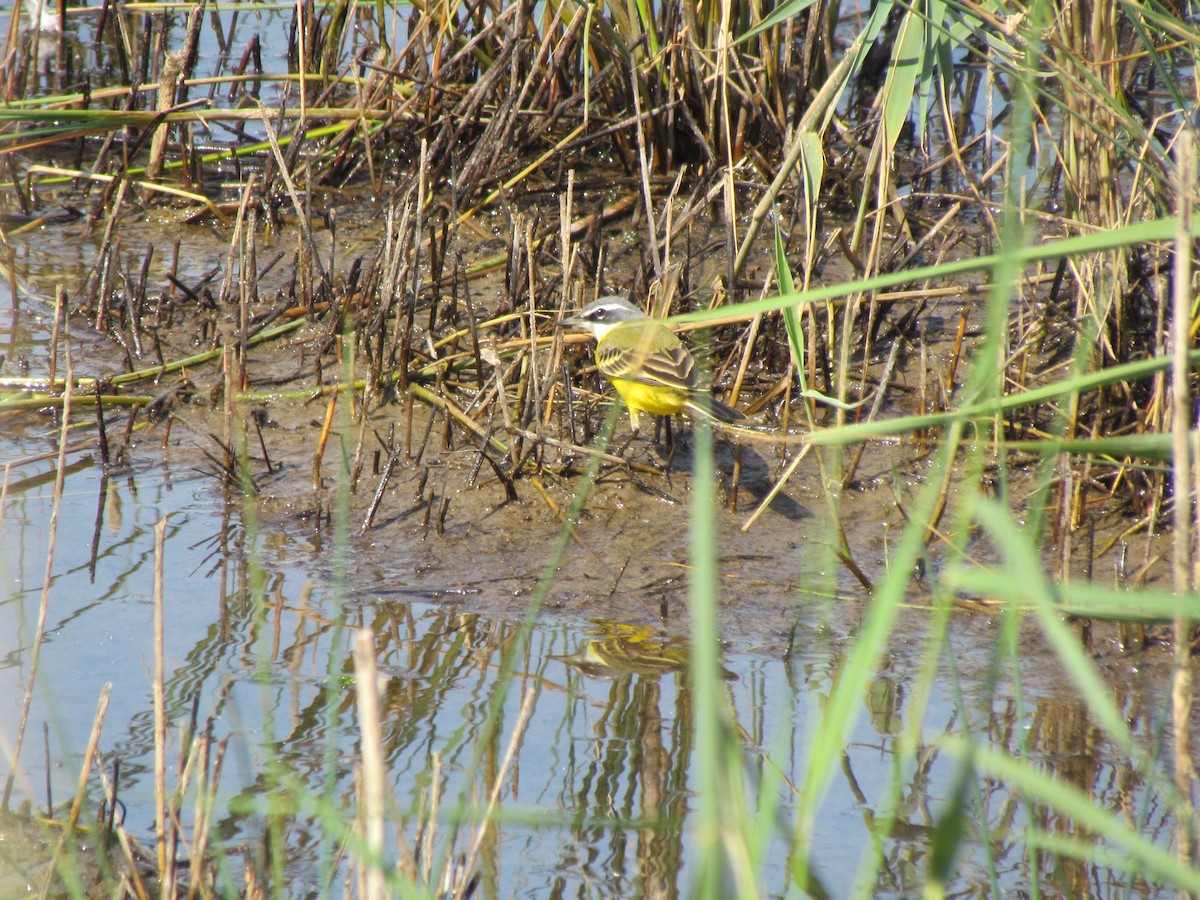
446, 525
445, 548
444, 530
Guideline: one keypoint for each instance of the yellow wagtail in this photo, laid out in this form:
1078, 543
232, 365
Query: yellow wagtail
646, 362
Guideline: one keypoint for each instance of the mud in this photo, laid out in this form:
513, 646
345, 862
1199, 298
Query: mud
445, 529
448, 524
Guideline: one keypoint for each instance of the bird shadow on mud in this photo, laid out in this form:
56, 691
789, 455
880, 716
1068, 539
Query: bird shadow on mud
742, 472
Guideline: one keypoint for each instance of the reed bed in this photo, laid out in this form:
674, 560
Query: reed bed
966, 229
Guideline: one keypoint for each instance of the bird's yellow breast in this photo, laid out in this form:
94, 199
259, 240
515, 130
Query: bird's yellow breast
658, 400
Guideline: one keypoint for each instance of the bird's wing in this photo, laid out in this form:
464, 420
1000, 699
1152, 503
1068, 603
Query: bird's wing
666, 366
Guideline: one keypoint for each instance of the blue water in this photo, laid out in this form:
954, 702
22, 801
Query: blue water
600, 796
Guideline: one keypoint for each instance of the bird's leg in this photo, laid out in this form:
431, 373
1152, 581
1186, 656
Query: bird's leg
633, 420
633, 432
620, 451
672, 445
661, 422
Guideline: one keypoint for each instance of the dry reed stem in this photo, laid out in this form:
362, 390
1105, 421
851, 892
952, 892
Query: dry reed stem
88, 758
161, 822
589, 451
198, 861
425, 838
323, 439
59, 300
885, 378
556, 510
141, 184
193, 757
8, 467
374, 791
394, 456
85, 770
168, 79
1182, 564
302, 214
206, 802
814, 118
776, 487
454, 411
231, 266
515, 180
567, 255
132, 876
465, 871
51, 537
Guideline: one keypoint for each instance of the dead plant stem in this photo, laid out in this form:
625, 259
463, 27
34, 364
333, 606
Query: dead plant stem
465, 872
1181, 302
302, 217
55, 333
160, 716
818, 109
44, 606
644, 168
373, 769
134, 879
80, 789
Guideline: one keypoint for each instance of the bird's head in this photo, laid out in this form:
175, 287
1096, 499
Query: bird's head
601, 316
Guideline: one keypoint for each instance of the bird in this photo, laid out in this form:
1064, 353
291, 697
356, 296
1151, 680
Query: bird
647, 363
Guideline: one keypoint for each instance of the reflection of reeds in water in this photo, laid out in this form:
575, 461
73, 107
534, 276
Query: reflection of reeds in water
111, 857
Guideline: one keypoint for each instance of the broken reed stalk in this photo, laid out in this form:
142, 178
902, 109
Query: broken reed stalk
395, 454
235, 263
88, 757
465, 876
206, 801
167, 80
374, 791
1181, 474
116, 824
161, 823
44, 605
228, 376
323, 439
85, 771
59, 298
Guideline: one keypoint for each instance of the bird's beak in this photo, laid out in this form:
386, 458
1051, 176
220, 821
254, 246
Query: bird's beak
570, 322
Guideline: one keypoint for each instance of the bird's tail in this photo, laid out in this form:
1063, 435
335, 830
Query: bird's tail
710, 407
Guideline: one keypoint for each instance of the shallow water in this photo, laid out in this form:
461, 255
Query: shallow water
262, 600
599, 799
